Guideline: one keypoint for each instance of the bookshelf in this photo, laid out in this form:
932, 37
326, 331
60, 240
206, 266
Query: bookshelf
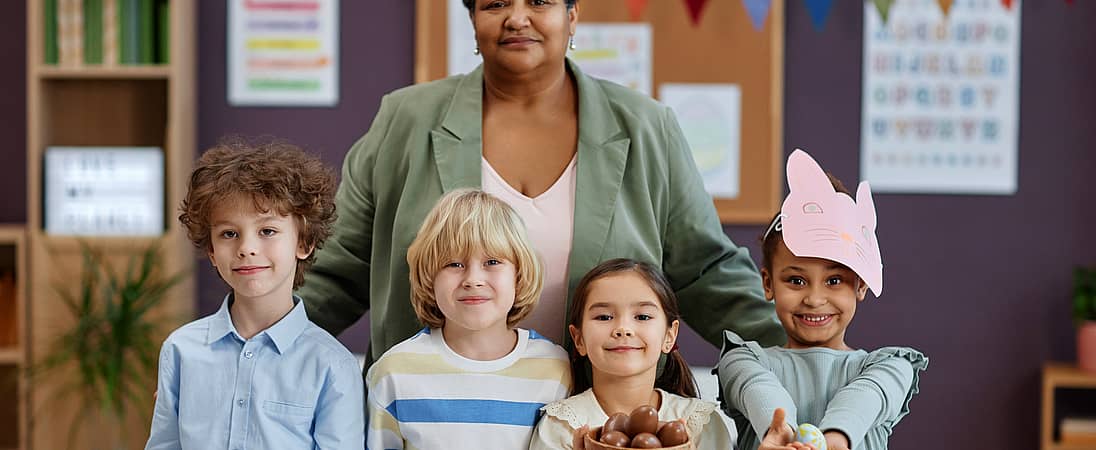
104, 105
13, 343
1056, 378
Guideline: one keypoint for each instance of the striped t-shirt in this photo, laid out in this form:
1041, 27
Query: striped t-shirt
423, 395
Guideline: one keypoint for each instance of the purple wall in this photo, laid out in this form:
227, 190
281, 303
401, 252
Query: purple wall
979, 283
13, 115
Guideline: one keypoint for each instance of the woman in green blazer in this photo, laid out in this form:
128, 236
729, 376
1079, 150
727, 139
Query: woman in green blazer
527, 111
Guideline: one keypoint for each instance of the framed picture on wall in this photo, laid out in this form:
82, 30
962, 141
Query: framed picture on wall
104, 191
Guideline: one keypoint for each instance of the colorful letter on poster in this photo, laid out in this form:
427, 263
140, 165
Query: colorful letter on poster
283, 53
941, 98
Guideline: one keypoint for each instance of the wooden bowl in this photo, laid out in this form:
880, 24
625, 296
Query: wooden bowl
593, 444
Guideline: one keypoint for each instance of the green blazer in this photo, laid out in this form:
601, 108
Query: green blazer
638, 195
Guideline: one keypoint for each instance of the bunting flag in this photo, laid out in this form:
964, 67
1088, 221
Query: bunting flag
945, 6
695, 9
758, 11
1007, 3
884, 8
820, 9
636, 8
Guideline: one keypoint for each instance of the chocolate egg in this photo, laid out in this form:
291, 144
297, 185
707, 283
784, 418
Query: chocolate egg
643, 419
673, 433
615, 438
616, 422
646, 440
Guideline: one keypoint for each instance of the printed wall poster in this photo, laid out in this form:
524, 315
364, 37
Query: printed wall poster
283, 53
709, 115
941, 98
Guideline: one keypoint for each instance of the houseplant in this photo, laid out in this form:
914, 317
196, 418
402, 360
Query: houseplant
1084, 315
109, 355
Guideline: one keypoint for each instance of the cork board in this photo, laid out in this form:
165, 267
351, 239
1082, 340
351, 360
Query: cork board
723, 48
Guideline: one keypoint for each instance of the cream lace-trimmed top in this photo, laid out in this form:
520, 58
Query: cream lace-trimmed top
708, 427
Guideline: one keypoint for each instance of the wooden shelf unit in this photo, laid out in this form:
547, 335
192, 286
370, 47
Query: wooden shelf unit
1057, 375
96, 105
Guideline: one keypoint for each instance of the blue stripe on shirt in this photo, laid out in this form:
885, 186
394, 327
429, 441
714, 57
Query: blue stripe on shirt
465, 411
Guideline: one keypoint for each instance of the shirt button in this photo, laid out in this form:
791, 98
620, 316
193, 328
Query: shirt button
240, 402
248, 354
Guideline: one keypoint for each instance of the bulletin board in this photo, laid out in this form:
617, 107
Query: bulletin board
724, 47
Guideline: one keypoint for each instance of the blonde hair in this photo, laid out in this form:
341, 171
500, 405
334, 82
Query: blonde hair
463, 221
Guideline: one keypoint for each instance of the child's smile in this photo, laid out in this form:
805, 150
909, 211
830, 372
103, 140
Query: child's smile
255, 252
475, 292
815, 298
624, 330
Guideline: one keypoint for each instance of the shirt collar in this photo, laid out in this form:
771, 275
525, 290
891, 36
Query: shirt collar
283, 333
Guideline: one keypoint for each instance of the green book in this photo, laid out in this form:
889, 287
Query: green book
51, 51
146, 40
93, 31
163, 32
122, 24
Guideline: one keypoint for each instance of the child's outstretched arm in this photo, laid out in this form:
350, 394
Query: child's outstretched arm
879, 396
340, 418
748, 386
165, 415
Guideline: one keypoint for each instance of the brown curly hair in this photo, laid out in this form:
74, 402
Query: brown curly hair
277, 175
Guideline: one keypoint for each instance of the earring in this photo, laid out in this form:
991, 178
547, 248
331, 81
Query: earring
475, 51
572, 45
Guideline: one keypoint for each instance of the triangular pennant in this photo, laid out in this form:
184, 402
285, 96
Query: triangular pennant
884, 8
819, 9
758, 11
696, 7
636, 8
1007, 3
945, 6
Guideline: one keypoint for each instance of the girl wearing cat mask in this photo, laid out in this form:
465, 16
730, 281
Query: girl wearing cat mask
820, 257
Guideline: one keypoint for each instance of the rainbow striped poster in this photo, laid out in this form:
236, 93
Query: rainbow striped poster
283, 53
941, 98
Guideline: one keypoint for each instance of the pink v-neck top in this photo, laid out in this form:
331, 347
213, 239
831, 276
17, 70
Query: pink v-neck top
549, 219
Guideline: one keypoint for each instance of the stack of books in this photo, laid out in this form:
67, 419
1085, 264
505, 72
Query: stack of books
1078, 431
106, 32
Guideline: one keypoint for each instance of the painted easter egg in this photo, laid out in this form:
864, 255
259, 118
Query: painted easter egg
810, 434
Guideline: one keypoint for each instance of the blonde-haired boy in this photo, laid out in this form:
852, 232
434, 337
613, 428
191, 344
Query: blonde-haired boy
470, 379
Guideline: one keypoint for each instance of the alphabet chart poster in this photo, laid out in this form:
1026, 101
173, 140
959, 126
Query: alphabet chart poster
941, 98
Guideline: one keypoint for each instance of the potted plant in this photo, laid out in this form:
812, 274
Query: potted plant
112, 347
1084, 315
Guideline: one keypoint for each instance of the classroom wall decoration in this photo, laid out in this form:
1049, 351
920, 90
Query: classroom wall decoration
283, 53
941, 98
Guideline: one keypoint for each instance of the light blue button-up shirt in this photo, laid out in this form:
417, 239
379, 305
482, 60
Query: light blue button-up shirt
292, 386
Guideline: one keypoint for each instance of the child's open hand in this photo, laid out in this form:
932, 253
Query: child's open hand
781, 436
836, 440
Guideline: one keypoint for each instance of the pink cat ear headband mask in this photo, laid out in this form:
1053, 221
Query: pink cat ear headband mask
818, 222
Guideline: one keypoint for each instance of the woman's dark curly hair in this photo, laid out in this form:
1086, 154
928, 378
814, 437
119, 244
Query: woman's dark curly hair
277, 175
472, 4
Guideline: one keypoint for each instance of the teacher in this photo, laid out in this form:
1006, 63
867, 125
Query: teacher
596, 170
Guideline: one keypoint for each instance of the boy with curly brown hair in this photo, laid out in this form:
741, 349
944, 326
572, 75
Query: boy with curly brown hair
258, 374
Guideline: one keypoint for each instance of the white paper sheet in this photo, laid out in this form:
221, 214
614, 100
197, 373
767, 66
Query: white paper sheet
283, 53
